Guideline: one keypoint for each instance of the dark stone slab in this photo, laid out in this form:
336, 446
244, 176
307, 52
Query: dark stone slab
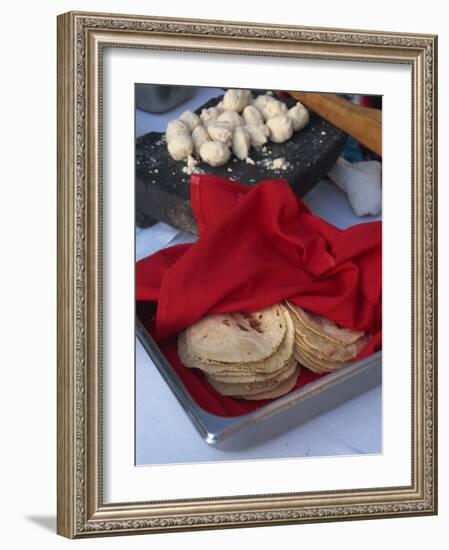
162, 188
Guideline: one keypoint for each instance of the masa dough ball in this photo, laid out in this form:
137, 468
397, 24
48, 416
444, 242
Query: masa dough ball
281, 128
269, 107
190, 119
240, 143
220, 131
209, 115
180, 147
199, 136
236, 100
252, 116
258, 135
215, 153
176, 128
232, 118
299, 116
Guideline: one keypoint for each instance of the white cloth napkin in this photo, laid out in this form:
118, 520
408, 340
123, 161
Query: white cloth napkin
361, 181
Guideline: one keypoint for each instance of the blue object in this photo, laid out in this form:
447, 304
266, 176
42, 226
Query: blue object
352, 151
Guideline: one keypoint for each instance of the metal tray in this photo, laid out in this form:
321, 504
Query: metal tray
280, 415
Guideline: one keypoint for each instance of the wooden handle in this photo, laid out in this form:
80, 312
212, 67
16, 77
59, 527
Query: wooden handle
362, 123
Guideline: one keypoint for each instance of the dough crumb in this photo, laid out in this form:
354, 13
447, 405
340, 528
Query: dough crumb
276, 164
191, 167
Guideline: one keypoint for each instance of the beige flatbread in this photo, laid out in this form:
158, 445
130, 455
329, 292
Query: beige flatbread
315, 364
306, 363
321, 346
327, 353
283, 388
249, 371
250, 377
236, 337
254, 387
325, 327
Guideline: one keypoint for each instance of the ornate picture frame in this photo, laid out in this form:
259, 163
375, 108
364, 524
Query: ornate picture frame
82, 37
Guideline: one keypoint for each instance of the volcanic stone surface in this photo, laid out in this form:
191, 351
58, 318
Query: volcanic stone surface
162, 187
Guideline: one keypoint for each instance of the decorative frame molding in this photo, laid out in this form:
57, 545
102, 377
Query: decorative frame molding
81, 38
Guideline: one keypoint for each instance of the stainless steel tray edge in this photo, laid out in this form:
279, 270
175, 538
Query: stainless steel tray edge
232, 433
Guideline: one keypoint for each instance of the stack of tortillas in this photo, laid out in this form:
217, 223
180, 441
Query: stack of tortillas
244, 355
320, 344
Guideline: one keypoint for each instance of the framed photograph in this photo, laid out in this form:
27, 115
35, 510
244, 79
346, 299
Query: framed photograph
246, 274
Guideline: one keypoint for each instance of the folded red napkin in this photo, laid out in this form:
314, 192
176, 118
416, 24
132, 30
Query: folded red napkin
259, 245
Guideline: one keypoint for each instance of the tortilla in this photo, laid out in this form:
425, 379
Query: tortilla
305, 362
235, 389
320, 344
244, 355
325, 327
319, 364
283, 388
249, 377
326, 352
236, 337
249, 371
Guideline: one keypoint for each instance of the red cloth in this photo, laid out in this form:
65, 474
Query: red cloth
257, 246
